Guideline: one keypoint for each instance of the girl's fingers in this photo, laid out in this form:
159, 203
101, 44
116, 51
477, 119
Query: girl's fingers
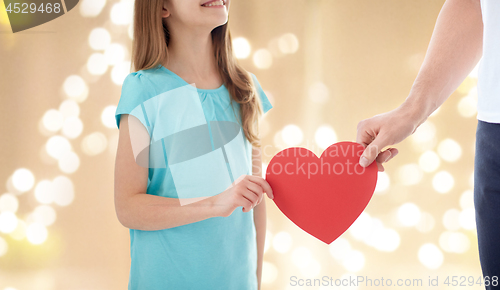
264, 184
251, 196
255, 188
246, 204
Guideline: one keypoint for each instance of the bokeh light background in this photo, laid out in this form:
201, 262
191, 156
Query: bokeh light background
324, 64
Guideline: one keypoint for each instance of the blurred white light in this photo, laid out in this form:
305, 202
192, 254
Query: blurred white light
430, 256
325, 136
429, 161
269, 272
44, 215
318, 92
282, 242
475, 71
387, 240
288, 43
372, 235
436, 111
8, 202
354, 262
23, 180
467, 219
36, 233
424, 137
409, 214
120, 72
467, 199
99, 38
108, 116
57, 146
3, 247
426, 223
454, 242
339, 248
121, 13
467, 107
63, 190
449, 150
44, 192
69, 162
451, 219
69, 108
75, 88
292, 135
115, 53
97, 64
262, 58
8, 222
361, 227
91, 8
383, 182
264, 169
443, 182
94, 143
130, 30
301, 257
52, 120
410, 174
268, 241
274, 47
312, 270
473, 92
73, 127
241, 47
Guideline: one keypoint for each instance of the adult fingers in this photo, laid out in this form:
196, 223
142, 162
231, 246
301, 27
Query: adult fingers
364, 137
372, 150
383, 156
380, 167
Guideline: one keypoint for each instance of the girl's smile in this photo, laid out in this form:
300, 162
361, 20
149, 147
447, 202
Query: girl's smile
214, 4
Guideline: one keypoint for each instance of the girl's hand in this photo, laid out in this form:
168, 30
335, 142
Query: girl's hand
247, 191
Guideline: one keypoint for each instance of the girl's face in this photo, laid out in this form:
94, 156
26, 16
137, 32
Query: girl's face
196, 13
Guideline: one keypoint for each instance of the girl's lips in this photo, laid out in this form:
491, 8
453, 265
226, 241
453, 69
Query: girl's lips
214, 3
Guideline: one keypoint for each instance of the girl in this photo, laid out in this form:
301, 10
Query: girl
190, 156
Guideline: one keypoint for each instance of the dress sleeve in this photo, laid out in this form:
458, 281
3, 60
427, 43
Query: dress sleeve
266, 105
136, 89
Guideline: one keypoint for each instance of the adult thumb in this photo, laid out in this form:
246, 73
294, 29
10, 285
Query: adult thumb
372, 150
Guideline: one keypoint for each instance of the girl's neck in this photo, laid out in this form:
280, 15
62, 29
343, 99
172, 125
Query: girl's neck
191, 56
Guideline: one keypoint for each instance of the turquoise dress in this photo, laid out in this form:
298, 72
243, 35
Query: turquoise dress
197, 148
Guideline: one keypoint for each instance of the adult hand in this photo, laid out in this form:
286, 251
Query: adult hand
384, 130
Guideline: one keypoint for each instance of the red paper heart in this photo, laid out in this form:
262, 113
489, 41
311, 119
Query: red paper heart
323, 202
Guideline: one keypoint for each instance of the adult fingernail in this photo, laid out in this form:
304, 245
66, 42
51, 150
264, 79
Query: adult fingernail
363, 161
388, 157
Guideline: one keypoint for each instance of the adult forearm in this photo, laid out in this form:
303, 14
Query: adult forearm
150, 212
454, 50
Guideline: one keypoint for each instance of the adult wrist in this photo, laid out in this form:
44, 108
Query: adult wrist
416, 109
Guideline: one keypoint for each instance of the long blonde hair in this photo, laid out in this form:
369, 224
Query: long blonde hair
150, 48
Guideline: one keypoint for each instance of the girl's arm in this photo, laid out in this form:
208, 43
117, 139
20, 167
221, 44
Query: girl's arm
259, 214
136, 209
